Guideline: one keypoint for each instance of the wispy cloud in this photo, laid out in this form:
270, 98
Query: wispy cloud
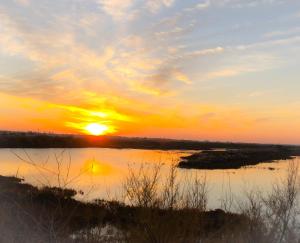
243, 65
203, 5
282, 33
118, 9
256, 94
156, 5
23, 2
205, 52
271, 43
129, 9
62, 60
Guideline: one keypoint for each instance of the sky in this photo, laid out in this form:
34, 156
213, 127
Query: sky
224, 70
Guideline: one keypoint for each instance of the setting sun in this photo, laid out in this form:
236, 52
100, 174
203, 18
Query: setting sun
96, 129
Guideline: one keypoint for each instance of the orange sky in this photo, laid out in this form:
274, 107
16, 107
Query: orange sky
199, 121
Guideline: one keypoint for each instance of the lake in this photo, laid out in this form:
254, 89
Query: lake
100, 172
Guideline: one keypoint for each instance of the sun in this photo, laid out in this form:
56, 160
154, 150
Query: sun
97, 129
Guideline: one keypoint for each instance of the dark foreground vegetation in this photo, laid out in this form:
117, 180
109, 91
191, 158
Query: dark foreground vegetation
51, 214
47, 140
236, 158
154, 212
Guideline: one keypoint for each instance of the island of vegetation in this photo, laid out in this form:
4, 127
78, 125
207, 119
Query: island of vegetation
236, 158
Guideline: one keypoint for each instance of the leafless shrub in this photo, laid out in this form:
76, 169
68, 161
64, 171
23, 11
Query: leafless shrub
227, 197
196, 196
274, 217
35, 220
141, 188
171, 195
146, 188
166, 211
61, 172
281, 207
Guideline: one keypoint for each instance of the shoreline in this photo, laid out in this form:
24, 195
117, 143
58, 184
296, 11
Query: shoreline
44, 140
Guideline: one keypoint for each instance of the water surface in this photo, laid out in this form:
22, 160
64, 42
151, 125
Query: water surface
100, 172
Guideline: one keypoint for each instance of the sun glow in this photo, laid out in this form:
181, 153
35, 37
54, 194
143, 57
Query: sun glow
97, 129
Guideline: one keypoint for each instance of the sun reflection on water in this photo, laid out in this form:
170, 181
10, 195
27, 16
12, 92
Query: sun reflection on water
96, 167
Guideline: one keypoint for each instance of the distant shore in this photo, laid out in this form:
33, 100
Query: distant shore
47, 140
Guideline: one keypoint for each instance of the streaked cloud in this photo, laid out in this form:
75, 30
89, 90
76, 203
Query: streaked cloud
256, 94
203, 4
282, 33
23, 2
204, 52
156, 5
118, 9
271, 43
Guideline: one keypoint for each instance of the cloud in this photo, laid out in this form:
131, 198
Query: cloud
167, 75
256, 94
129, 9
205, 52
203, 5
160, 82
23, 2
247, 3
282, 33
230, 72
241, 65
155, 5
118, 9
270, 43
138, 62
206, 4
63, 61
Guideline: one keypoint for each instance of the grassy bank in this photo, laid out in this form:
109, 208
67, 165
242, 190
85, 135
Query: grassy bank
51, 214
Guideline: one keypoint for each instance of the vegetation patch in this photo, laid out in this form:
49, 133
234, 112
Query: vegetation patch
51, 214
234, 158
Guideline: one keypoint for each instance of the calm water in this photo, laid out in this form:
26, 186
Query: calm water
100, 172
